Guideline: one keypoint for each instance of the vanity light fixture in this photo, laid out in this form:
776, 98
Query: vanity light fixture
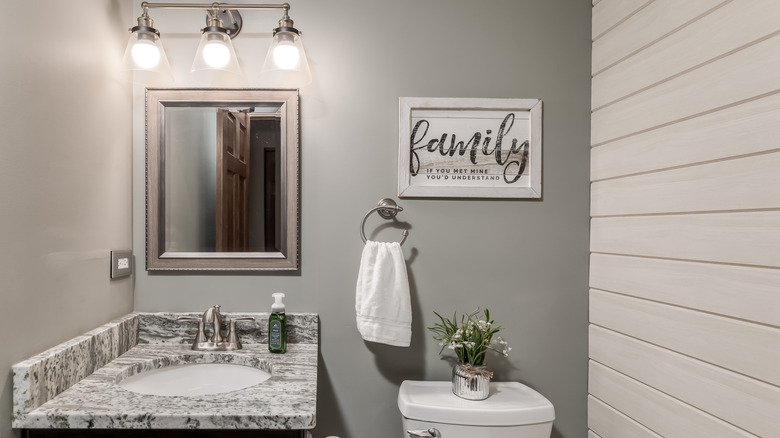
144, 51
285, 58
215, 51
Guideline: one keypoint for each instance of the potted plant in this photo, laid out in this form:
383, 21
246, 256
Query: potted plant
470, 338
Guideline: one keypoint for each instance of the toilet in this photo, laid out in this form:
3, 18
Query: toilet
512, 410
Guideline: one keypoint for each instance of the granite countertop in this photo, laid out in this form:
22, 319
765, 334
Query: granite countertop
285, 401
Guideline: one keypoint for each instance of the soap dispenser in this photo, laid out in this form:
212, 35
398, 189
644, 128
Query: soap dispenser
277, 326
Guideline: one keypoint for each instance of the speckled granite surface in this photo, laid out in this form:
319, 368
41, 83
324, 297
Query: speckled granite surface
162, 328
57, 388
43, 376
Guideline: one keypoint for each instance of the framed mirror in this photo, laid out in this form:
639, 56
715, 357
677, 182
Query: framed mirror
221, 179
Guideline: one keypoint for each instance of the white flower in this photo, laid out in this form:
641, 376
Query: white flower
454, 345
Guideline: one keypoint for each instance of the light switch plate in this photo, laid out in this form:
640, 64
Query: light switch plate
121, 263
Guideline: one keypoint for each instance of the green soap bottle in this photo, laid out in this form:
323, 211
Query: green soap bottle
277, 326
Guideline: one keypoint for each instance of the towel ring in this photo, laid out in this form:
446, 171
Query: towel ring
387, 209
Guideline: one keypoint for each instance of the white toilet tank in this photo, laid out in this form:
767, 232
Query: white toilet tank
512, 410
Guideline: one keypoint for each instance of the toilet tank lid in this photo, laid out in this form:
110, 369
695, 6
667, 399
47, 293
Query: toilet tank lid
509, 404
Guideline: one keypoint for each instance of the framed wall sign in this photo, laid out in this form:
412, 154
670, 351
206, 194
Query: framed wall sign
470, 148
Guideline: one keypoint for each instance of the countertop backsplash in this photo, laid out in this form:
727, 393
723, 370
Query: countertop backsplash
157, 328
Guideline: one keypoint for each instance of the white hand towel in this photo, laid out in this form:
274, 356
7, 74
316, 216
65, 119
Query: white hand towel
382, 302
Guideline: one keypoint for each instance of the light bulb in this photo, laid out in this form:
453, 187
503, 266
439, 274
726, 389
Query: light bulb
145, 54
286, 55
285, 62
216, 54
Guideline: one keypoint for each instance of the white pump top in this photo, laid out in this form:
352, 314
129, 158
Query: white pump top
278, 305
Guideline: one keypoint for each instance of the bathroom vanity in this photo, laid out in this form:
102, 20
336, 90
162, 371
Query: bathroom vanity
75, 388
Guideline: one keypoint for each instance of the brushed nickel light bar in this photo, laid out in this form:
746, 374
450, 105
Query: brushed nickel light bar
286, 56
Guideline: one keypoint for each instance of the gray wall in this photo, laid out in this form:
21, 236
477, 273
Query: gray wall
65, 177
525, 260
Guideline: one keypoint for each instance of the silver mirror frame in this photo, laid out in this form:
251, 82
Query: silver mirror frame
156, 257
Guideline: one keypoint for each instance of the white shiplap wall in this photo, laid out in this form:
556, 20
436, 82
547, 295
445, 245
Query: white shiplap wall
685, 230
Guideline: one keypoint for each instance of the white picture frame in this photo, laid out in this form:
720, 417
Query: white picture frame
469, 148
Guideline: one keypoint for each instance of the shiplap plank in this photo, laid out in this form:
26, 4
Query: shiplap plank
751, 238
736, 345
653, 22
659, 412
608, 13
741, 292
743, 75
751, 127
727, 28
706, 187
744, 402
610, 423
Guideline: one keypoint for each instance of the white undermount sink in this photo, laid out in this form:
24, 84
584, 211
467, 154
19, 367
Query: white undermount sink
195, 379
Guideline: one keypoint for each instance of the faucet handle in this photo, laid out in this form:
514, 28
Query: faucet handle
233, 339
201, 336
187, 318
431, 433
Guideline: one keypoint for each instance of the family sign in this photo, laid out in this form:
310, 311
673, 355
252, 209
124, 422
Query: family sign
470, 148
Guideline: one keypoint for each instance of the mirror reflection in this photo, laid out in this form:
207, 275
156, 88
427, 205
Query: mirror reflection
223, 179
222, 172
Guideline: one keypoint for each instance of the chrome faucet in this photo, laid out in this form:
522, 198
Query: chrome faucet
215, 342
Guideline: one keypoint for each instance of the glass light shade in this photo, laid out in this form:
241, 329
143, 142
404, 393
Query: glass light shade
286, 61
144, 52
215, 52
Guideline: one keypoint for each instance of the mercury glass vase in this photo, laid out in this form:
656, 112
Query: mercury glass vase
470, 382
